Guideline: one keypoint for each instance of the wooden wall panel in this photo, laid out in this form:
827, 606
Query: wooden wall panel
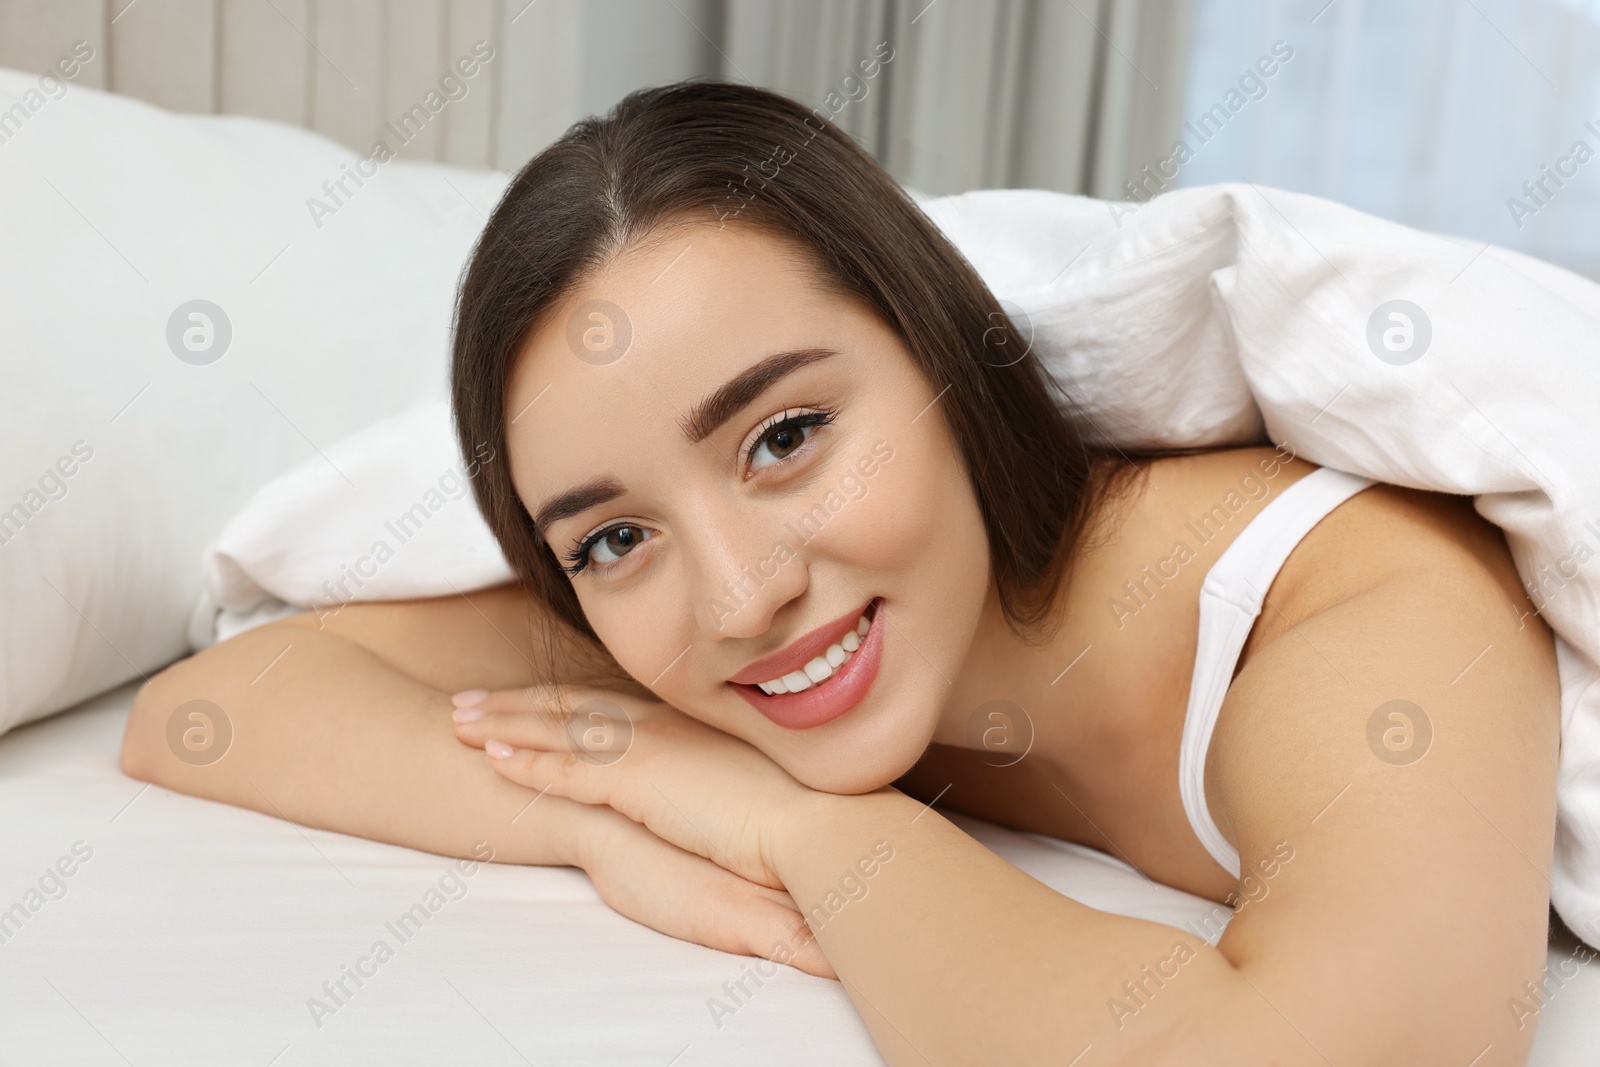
979, 94
414, 104
165, 51
540, 60
473, 29
34, 34
347, 83
266, 59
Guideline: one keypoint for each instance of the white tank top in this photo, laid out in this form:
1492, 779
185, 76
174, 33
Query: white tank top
1230, 600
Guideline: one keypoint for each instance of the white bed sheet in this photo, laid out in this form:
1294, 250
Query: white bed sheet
196, 933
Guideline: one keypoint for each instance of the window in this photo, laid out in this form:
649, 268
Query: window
1477, 118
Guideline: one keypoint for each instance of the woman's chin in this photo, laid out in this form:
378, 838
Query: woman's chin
850, 783
862, 773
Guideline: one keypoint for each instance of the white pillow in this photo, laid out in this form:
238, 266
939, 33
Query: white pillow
385, 514
123, 455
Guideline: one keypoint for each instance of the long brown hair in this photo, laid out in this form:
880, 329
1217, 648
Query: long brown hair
704, 150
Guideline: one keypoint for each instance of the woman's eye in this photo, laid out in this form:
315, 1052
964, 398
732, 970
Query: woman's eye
783, 439
604, 548
611, 545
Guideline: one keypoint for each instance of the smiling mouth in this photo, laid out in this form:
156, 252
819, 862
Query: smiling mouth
824, 666
829, 684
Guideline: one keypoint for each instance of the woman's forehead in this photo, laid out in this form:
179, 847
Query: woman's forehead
645, 340
671, 308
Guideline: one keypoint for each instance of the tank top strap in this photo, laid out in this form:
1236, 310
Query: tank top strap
1230, 599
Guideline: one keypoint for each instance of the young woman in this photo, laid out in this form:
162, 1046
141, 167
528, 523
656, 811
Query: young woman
807, 541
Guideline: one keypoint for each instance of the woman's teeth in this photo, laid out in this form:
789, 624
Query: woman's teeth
821, 668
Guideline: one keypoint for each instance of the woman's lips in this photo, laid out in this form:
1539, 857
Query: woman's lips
801, 651
834, 695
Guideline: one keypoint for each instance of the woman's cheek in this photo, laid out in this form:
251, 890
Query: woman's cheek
907, 493
631, 629
855, 499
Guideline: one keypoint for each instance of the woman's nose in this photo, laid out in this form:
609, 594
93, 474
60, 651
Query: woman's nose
743, 568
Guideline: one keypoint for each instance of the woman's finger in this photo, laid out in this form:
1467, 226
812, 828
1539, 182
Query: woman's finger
597, 729
542, 729
692, 785
554, 697
561, 773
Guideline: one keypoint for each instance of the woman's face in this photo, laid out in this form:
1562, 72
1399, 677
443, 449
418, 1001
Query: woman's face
742, 465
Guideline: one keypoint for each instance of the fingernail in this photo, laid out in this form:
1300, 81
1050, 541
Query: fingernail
468, 697
497, 749
467, 714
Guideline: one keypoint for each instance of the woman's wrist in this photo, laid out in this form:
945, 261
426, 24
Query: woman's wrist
586, 833
821, 816
556, 832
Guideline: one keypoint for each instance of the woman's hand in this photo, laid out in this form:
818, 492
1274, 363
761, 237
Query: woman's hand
690, 784
685, 896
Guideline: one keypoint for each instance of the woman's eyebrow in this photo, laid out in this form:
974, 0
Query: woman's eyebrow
576, 501
726, 401
729, 398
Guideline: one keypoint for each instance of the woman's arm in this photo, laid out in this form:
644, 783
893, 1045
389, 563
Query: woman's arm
1408, 924
344, 724
1386, 768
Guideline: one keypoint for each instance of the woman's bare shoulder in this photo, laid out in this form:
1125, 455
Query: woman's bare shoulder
1370, 538
1184, 481
1380, 536
1146, 506
1390, 533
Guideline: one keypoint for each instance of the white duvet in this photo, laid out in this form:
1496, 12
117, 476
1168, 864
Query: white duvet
1218, 315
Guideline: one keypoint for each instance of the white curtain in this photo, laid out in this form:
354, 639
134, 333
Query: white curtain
1045, 94
1479, 118
1055, 94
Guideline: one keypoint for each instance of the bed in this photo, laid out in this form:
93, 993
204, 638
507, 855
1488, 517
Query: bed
140, 926
192, 932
